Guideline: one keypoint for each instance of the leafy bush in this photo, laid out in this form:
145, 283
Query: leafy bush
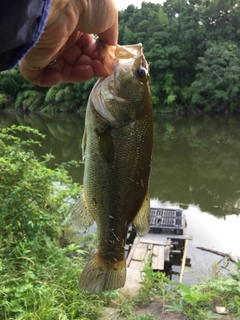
38, 279
198, 301
153, 284
5, 100
32, 198
29, 100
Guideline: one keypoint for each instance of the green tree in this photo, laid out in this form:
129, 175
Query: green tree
29, 100
5, 100
10, 82
28, 194
217, 85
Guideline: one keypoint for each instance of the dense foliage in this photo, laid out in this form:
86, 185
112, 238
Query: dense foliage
193, 48
38, 278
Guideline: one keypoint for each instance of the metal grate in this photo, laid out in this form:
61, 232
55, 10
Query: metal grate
162, 219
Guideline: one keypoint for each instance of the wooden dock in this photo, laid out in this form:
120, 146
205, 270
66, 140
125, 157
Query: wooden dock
162, 248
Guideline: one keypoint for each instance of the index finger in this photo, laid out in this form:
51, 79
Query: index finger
110, 36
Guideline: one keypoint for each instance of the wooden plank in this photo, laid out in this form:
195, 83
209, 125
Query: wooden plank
186, 236
161, 257
161, 238
155, 235
167, 250
167, 253
135, 243
154, 257
154, 238
158, 258
183, 261
142, 245
135, 265
157, 242
140, 253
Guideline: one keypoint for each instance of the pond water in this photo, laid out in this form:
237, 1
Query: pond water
196, 167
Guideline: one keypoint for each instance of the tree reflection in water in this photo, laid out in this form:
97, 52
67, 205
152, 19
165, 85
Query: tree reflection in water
196, 161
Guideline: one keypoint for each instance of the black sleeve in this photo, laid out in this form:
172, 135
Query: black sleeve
21, 24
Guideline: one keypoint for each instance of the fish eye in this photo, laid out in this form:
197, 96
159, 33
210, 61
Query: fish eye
141, 72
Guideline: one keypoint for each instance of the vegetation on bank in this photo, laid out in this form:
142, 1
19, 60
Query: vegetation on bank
196, 302
39, 266
40, 263
193, 48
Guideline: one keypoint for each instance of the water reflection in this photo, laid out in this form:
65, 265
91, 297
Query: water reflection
63, 136
196, 159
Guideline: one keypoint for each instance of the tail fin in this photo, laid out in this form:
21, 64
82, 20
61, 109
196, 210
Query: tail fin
100, 275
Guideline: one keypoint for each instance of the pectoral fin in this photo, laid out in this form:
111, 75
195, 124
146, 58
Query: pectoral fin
81, 218
105, 143
142, 219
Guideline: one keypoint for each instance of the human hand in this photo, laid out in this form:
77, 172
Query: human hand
68, 37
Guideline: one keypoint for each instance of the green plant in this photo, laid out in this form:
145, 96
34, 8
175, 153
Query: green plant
109, 296
125, 305
236, 273
38, 279
227, 292
45, 286
34, 200
153, 284
193, 302
142, 317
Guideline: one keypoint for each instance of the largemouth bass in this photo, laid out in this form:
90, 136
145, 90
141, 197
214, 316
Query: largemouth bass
117, 148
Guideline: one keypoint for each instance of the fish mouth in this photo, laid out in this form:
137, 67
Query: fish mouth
112, 56
131, 55
129, 52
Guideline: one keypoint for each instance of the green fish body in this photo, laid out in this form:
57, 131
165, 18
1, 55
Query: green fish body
117, 148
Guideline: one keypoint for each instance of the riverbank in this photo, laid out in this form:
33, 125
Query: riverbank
134, 305
153, 311
157, 298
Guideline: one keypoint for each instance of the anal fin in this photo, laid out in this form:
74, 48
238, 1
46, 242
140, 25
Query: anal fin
81, 218
142, 220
